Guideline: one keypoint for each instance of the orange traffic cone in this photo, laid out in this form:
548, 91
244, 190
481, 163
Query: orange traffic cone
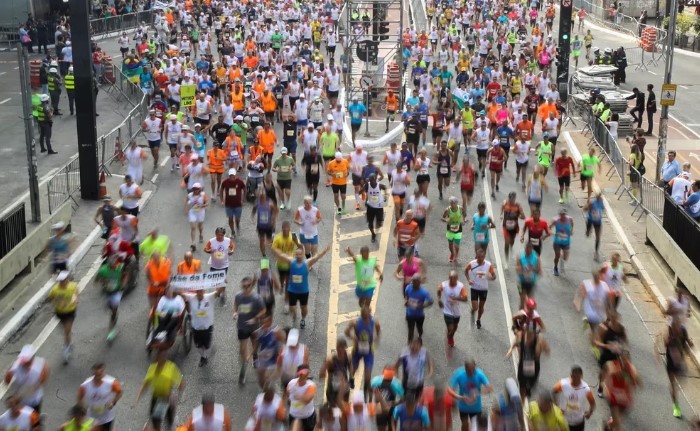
103, 185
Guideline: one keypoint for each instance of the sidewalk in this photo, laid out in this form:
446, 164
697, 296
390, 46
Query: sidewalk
645, 264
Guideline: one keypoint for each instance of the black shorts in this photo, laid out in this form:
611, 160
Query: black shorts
308, 424
154, 144
284, 184
66, 317
355, 127
283, 273
312, 180
521, 165
105, 427
464, 415
526, 287
342, 189
356, 180
332, 94
479, 295
420, 179
375, 214
123, 50
301, 298
266, 232
59, 266
586, 177
481, 153
564, 181
202, 337
420, 223
244, 334
201, 121
451, 320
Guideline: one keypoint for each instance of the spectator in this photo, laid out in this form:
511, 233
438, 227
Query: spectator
680, 187
25, 38
642, 22
670, 170
636, 161
639, 98
638, 139
692, 203
651, 109
42, 36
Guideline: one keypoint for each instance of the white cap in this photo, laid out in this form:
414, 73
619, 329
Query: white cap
27, 353
354, 98
284, 150
330, 117
239, 118
293, 337
44, 98
62, 275
338, 155
59, 225
185, 127
173, 117
196, 186
685, 175
68, 43
194, 156
302, 96
232, 171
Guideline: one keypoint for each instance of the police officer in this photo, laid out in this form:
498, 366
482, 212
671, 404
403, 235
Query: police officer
45, 120
55, 83
69, 82
607, 57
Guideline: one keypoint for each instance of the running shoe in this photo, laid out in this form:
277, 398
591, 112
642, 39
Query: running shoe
561, 201
282, 206
302, 323
340, 211
677, 411
357, 206
112, 335
585, 322
241, 374
555, 271
478, 324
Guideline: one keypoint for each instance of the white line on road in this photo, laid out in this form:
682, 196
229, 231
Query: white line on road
5, 101
16, 67
2, 73
693, 125
165, 161
653, 73
683, 87
155, 177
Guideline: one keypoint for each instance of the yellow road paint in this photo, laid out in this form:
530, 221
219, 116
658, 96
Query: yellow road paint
354, 235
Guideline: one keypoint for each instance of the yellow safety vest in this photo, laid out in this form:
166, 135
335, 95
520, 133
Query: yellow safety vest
69, 81
41, 113
52, 83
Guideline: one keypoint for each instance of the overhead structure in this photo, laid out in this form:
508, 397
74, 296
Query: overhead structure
374, 32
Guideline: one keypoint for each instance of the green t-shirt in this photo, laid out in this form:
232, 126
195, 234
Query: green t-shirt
544, 154
588, 164
276, 40
112, 277
284, 167
329, 143
160, 244
364, 273
241, 131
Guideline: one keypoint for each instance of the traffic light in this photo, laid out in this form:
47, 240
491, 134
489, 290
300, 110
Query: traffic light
564, 49
383, 29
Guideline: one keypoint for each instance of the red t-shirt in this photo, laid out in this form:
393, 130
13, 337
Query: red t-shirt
427, 399
536, 230
524, 131
234, 191
492, 89
564, 166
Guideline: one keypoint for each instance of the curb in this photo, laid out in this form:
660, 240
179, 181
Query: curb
22, 316
644, 277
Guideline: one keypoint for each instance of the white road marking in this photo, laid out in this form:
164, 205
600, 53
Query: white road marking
16, 67
5, 101
155, 177
693, 125
165, 161
2, 73
653, 73
683, 87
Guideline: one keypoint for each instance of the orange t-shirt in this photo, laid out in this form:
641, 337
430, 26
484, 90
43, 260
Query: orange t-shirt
406, 232
267, 140
524, 130
237, 100
194, 268
338, 170
216, 160
250, 61
259, 86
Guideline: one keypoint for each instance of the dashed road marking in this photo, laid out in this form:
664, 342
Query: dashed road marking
5, 101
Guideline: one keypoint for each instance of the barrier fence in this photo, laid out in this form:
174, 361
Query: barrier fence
13, 229
682, 228
63, 184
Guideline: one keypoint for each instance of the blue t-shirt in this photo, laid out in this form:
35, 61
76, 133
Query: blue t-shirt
412, 101
416, 298
395, 386
357, 110
504, 135
476, 92
595, 211
463, 384
692, 201
418, 420
298, 277
481, 228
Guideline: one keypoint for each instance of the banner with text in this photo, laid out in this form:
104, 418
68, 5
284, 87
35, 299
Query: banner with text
187, 95
205, 281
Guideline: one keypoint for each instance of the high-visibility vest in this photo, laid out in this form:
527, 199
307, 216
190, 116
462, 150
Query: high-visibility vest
52, 83
69, 81
269, 103
36, 103
41, 113
183, 268
85, 426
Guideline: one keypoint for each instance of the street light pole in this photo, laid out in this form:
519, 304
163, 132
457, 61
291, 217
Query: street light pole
663, 120
32, 168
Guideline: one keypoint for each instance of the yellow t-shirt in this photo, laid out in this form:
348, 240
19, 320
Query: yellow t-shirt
552, 421
163, 381
65, 299
286, 246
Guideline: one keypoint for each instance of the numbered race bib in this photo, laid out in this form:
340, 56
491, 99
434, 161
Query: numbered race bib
455, 228
314, 168
563, 236
535, 241
297, 405
255, 119
201, 313
480, 237
99, 409
339, 175
297, 279
290, 133
232, 192
219, 255
413, 303
244, 308
411, 130
374, 199
511, 224
284, 169
264, 218
363, 347
444, 170
529, 367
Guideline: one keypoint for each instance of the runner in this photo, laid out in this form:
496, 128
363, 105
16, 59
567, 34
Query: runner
482, 138
64, 296
479, 272
338, 171
99, 394
466, 386
112, 277
209, 415
283, 166
406, 233
266, 221
167, 384
233, 190
563, 231
307, 217
528, 266
620, 385
454, 292
248, 309
594, 297
545, 154
565, 169
400, 180
314, 164
537, 231
466, 177
589, 163
481, 224
26, 378
455, 216
365, 332
615, 276
511, 213
497, 158
301, 392
220, 248
195, 209
536, 186
286, 243
530, 346
594, 220
416, 300
417, 366
269, 410
575, 399
365, 266
376, 196
298, 270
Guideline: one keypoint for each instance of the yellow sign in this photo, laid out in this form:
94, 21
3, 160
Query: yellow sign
668, 94
187, 95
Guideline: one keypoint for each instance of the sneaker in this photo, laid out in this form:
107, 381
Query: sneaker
585, 322
66, 354
374, 238
313, 203
286, 309
440, 196
600, 391
561, 200
478, 324
241, 374
497, 189
112, 335
677, 411
282, 206
340, 211
357, 207
202, 361
493, 195
302, 323
555, 272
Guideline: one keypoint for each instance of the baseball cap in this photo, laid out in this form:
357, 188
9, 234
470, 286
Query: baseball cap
303, 369
355, 98
329, 117
238, 118
232, 171
302, 96
284, 150
62, 275
196, 186
27, 353
173, 117
194, 156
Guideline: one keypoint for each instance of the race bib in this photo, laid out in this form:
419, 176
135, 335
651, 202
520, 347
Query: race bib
255, 119
374, 199
480, 237
284, 168
510, 224
98, 409
412, 303
363, 347
444, 170
314, 169
563, 236
340, 175
232, 192
201, 313
535, 241
219, 255
455, 228
263, 218
245, 308
297, 279
290, 133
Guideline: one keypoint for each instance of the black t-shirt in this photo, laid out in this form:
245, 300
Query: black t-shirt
478, 107
290, 131
413, 129
220, 132
313, 164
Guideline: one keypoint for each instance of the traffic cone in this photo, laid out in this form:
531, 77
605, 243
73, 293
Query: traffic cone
103, 185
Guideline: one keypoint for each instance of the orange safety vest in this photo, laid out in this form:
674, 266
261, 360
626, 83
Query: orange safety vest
159, 272
250, 45
237, 101
255, 151
216, 158
269, 103
392, 103
259, 86
183, 268
233, 143
267, 140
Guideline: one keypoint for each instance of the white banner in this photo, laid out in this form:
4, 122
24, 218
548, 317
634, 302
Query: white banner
162, 5
204, 280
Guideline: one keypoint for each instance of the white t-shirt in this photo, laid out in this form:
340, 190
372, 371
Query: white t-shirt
174, 305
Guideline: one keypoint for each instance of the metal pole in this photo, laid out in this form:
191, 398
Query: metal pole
32, 169
367, 93
663, 121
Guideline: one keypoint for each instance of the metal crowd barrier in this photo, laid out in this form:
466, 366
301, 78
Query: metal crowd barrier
13, 229
101, 26
63, 184
682, 228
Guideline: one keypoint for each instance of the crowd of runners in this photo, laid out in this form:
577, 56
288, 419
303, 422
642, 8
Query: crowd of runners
482, 83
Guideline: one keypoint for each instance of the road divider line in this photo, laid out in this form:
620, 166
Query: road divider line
165, 161
5, 101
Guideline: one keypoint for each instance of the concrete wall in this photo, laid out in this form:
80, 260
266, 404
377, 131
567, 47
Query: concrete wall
23, 255
686, 272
